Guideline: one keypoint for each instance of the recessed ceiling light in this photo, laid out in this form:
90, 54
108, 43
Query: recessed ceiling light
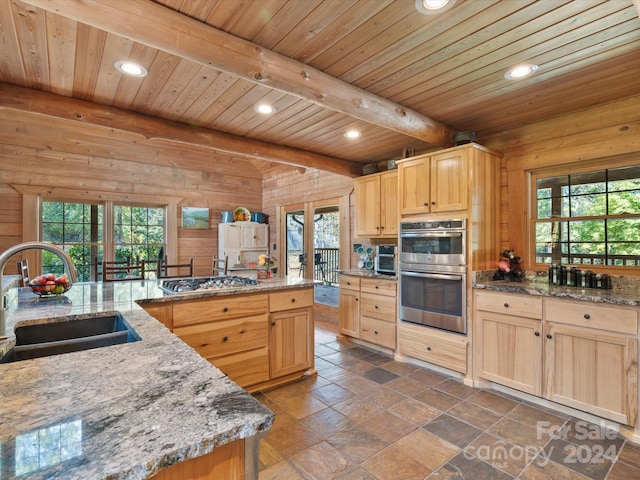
520, 71
352, 134
130, 68
431, 7
265, 109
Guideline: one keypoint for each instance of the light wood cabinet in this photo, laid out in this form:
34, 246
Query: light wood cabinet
376, 205
571, 352
290, 348
368, 309
291, 332
509, 341
435, 346
258, 340
434, 183
349, 306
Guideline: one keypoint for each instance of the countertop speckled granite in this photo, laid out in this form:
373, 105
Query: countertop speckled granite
124, 411
625, 290
361, 272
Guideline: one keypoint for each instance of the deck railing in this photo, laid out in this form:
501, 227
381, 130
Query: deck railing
327, 263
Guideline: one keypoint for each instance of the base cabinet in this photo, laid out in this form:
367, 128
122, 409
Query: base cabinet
367, 309
255, 339
574, 353
448, 350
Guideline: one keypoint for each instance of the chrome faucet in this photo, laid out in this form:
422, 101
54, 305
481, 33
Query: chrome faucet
10, 252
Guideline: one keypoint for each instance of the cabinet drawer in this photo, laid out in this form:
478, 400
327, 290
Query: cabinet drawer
434, 346
586, 314
378, 286
246, 368
290, 299
378, 332
349, 283
377, 306
519, 305
223, 337
207, 310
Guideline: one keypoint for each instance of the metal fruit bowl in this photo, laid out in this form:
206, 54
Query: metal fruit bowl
48, 290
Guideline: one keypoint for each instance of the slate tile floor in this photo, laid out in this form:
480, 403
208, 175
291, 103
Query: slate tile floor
366, 416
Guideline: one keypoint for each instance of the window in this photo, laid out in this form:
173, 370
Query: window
138, 232
79, 228
588, 218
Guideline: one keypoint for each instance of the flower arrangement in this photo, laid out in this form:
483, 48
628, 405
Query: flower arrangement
266, 261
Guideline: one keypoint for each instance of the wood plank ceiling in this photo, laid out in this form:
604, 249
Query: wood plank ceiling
404, 79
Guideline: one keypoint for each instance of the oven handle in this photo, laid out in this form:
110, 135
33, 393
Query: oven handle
435, 276
431, 234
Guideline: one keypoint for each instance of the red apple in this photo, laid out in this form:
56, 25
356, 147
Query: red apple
50, 286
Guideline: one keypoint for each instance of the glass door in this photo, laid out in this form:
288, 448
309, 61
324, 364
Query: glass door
294, 240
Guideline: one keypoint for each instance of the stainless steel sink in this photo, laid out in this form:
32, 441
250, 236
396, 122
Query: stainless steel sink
70, 335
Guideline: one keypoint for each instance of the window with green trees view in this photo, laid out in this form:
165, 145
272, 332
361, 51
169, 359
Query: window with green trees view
138, 233
589, 218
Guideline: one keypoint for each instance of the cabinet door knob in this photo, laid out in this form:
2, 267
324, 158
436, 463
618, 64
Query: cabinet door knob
549, 336
273, 324
428, 349
357, 299
377, 228
375, 306
377, 287
225, 309
224, 339
426, 204
433, 203
293, 300
587, 316
537, 334
375, 331
506, 305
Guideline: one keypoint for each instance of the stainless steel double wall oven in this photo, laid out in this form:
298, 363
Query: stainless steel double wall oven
433, 274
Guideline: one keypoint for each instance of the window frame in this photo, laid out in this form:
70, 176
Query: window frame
572, 169
33, 196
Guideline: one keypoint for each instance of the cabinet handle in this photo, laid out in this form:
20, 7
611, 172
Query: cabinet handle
549, 336
537, 334
428, 349
587, 316
225, 309
357, 299
273, 324
224, 339
293, 300
375, 331
377, 228
242, 331
375, 306
433, 203
506, 305
426, 204
376, 287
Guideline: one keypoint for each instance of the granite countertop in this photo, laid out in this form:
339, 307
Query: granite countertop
124, 411
361, 272
625, 291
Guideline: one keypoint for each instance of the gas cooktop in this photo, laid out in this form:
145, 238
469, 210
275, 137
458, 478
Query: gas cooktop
177, 285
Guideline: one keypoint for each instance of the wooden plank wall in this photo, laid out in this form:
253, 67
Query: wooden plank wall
597, 135
35, 150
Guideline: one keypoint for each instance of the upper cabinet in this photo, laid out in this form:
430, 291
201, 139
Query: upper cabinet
376, 205
434, 183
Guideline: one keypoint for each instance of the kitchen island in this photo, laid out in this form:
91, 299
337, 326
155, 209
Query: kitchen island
135, 410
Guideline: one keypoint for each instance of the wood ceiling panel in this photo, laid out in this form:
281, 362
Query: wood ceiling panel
449, 66
29, 24
61, 43
11, 67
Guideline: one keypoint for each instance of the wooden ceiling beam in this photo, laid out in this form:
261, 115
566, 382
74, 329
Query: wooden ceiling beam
152, 128
160, 27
